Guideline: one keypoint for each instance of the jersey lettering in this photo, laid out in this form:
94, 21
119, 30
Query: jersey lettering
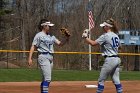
115, 41
49, 43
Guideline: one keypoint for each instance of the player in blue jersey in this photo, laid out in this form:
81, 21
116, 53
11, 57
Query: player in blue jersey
43, 42
109, 43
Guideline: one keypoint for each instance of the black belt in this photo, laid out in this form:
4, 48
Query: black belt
46, 53
111, 56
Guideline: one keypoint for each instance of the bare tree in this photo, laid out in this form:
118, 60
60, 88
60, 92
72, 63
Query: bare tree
73, 15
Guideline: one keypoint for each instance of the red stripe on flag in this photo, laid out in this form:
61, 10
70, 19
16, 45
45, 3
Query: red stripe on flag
91, 21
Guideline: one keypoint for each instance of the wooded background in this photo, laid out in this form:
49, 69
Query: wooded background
19, 20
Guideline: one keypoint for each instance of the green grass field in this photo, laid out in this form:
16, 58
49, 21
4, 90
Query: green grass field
17, 75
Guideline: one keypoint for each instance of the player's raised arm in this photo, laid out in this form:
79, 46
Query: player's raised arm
62, 42
89, 41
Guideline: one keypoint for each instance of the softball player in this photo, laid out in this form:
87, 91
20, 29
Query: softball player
110, 43
44, 42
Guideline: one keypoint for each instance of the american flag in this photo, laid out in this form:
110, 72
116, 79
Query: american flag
90, 16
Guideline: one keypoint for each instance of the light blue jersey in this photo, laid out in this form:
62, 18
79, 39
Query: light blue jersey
109, 43
44, 42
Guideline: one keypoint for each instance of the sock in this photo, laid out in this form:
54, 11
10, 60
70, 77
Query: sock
100, 88
44, 86
119, 88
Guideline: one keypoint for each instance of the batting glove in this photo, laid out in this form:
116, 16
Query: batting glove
85, 33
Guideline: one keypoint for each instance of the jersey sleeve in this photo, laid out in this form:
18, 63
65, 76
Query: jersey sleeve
101, 39
36, 41
54, 39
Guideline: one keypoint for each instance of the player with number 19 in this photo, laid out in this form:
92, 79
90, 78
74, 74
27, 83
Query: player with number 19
110, 44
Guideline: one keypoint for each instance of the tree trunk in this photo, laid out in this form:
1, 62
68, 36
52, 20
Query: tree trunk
137, 65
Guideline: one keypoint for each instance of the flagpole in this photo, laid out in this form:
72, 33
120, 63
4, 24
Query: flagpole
89, 48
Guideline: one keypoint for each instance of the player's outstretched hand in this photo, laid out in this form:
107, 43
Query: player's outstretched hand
85, 33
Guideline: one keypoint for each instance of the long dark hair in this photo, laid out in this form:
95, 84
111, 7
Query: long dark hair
41, 21
113, 23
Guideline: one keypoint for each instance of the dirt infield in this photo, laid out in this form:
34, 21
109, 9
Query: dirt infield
66, 87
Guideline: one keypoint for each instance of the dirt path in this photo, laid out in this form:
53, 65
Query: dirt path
66, 87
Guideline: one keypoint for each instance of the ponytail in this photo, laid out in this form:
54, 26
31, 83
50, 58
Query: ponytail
113, 23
